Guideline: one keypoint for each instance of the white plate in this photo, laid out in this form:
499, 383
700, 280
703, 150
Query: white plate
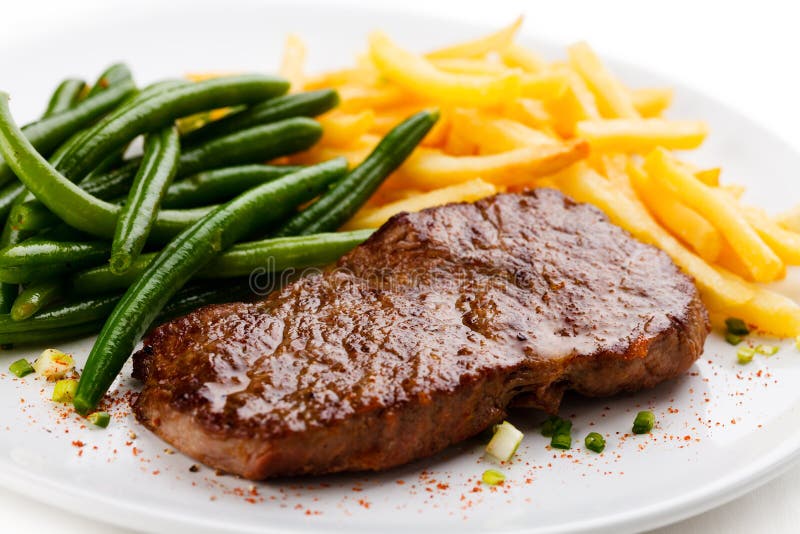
722, 430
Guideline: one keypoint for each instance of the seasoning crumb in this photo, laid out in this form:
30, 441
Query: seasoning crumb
219, 472
194, 468
169, 451
131, 434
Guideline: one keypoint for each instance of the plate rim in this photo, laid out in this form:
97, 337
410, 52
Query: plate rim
703, 498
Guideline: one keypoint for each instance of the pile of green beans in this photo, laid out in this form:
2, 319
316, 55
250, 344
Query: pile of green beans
96, 242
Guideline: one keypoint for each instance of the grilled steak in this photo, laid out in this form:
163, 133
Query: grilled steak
421, 337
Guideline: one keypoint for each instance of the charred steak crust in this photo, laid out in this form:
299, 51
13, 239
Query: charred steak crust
421, 337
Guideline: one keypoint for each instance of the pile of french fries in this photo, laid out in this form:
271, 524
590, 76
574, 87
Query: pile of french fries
512, 120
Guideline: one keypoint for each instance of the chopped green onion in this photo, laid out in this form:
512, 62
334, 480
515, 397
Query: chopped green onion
550, 426
505, 441
561, 441
644, 422
595, 442
737, 326
21, 368
100, 419
493, 477
53, 364
745, 355
767, 350
733, 339
65, 390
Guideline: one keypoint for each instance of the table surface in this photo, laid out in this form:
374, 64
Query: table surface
738, 52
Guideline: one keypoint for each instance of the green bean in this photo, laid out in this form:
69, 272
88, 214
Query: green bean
180, 260
161, 111
8, 292
113, 75
38, 258
107, 185
160, 160
33, 337
254, 145
35, 297
242, 259
309, 104
221, 185
71, 203
66, 95
80, 318
343, 200
47, 134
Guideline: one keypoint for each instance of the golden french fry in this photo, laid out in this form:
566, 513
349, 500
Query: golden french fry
641, 135
338, 78
520, 57
200, 76
575, 104
762, 263
342, 130
354, 154
790, 219
615, 168
293, 63
684, 222
613, 99
772, 313
479, 67
465, 192
428, 169
496, 134
734, 190
530, 112
651, 103
544, 86
498, 42
585, 185
785, 243
709, 176
356, 98
417, 75
388, 119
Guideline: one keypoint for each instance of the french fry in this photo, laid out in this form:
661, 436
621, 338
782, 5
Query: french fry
709, 176
341, 130
615, 168
519, 57
790, 219
530, 112
388, 119
575, 104
772, 313
762, 263
465, 192
417, 75
354, 154
478, 67
785, 243
544, 86
585, 185
684, 222
734, 190
650, 103
613, 99
293, 63
357, 98
498, 42
496, 134
642, 135
428, 169
337, 78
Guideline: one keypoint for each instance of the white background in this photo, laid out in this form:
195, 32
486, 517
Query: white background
743, 53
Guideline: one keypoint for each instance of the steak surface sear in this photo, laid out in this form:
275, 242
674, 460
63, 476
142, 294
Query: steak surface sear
420, 338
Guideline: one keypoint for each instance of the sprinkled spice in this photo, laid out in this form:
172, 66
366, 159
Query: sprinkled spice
194, 468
